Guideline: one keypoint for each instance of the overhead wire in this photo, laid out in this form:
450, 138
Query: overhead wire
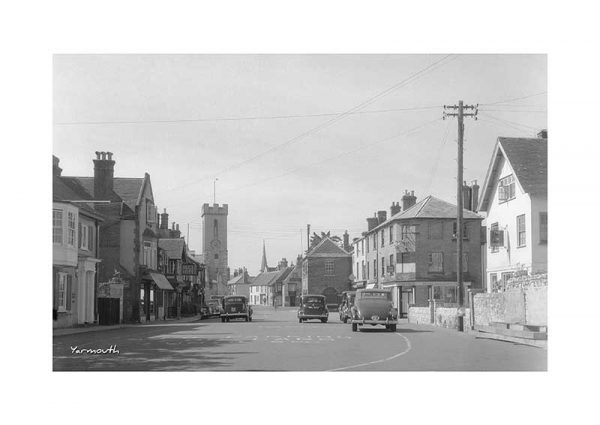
254, 118
508, 122
515, 99
387, 139
326, 124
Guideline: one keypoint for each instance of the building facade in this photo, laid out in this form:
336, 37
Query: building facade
515, 201
128, 242
414, 253
75, 231
326, 270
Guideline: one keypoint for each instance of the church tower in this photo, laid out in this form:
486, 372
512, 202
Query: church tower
214, 248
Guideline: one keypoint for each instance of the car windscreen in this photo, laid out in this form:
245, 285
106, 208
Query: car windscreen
234, 300
374, 294
313, 300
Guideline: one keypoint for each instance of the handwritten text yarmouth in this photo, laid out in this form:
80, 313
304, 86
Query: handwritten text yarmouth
111, 350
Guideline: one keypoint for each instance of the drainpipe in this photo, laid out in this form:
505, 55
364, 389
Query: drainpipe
97, 271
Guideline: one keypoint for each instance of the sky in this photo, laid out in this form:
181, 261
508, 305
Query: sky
324, 140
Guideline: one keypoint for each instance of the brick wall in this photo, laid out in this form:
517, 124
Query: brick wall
318, 280
447, 245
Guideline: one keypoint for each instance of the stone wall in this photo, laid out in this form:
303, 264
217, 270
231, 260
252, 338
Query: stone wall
527, 306
488, 308
421, 315
444, 316
537, 306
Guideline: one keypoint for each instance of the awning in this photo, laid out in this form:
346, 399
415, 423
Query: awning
161, 281
424, 283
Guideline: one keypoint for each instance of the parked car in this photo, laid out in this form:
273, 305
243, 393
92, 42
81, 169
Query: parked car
312, 307
374, 307
214, 305
346, 305
236, 307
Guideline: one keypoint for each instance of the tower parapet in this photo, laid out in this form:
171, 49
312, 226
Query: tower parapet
214, 209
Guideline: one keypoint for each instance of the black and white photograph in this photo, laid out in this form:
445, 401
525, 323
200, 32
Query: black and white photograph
313, 212
300, 212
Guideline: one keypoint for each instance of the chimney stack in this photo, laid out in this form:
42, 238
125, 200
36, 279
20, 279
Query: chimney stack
408, 200
372, 222
395, 209
282, 264
104, 170
474, 195
164, 220
56, 170
381, 216
543, 134
346, 241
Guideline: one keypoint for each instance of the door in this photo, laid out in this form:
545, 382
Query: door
108, 311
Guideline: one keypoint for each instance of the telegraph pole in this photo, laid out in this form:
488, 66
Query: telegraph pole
460, 114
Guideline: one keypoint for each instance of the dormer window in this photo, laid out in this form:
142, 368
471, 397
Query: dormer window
506, 188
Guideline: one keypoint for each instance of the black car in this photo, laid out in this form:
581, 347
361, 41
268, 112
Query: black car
313, 307
235, 307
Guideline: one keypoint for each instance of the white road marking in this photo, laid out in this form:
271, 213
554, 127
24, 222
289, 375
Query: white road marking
408, 348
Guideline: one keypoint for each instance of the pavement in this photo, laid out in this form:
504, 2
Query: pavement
98, 328
275, 341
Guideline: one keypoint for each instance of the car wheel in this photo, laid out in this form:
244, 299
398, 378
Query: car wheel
393, 328
354, 327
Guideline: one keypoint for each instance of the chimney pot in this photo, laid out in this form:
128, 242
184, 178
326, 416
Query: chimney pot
110, 154
408, 200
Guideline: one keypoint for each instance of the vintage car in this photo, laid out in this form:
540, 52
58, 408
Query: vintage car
374, 307
215, 305
312, 307
346, 305
235, 307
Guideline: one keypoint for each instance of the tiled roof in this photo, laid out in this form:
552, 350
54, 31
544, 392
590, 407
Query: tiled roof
61, 192
240, 279
429, 207
294, 275
432, 207
265, 278
127, 188
529, 160
270, 278
173, 247
327, 248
